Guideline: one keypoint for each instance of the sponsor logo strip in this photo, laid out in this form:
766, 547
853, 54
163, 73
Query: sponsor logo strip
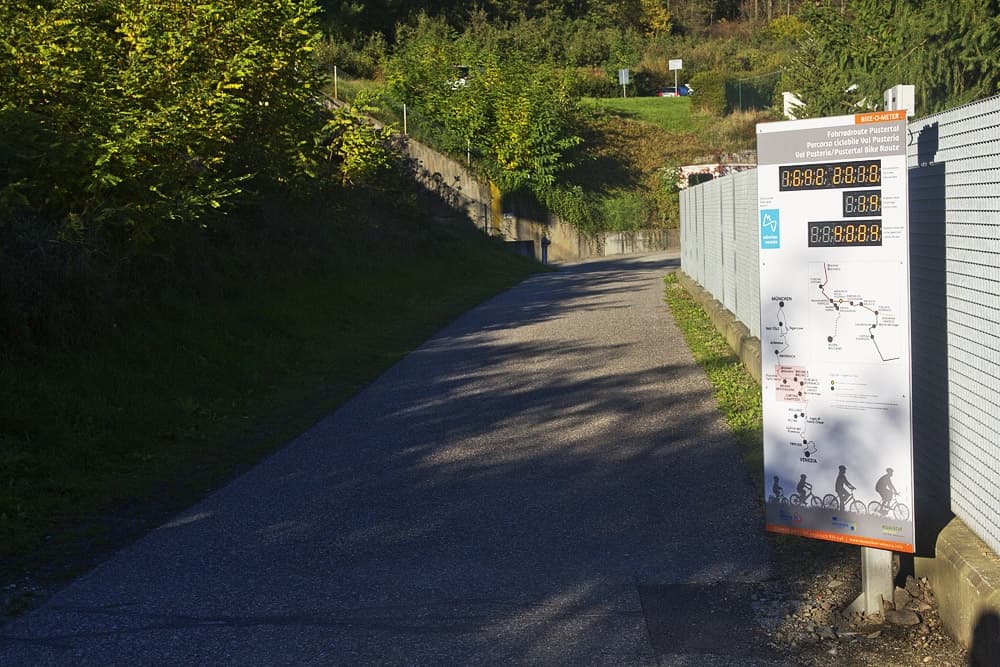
856, 540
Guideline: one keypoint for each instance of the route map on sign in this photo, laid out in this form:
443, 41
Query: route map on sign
858, 308
834, 286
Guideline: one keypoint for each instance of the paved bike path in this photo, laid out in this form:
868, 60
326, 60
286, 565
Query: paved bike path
544, 482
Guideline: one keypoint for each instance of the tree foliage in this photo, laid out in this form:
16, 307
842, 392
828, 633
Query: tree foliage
956, 53
852, 51
361, 150
516, 113
349, 18
120, 116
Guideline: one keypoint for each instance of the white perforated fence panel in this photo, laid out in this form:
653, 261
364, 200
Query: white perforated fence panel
727, 214
954, 162
714, 263
690, 243
747, 240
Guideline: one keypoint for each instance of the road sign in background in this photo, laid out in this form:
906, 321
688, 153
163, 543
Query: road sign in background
623, 79
676, 65
835, 338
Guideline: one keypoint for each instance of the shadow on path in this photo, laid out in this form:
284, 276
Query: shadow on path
519, 490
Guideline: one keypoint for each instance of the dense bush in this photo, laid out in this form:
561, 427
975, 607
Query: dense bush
575, 205
594, 82
123, 117
625, 211
361, 57
710, 92
517, 113
752, 92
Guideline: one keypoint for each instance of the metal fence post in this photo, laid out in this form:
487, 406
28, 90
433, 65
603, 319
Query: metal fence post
876, 581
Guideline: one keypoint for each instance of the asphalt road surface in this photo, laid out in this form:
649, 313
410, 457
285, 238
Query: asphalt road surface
544, 482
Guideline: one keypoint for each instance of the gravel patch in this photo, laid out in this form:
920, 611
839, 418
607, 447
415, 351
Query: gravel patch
802, 618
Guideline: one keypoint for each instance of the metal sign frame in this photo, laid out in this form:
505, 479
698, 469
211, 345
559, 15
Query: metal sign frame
835, 329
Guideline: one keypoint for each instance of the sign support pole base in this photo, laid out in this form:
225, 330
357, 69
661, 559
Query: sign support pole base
876, 581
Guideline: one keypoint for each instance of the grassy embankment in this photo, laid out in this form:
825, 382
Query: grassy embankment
101, 439
632, 148
699, 132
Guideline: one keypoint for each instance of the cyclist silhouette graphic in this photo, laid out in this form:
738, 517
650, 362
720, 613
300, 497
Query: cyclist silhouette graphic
885, 487
843, 487
776, 489
804, 488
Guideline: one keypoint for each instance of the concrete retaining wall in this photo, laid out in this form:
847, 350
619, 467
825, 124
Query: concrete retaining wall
650, 240
458, 188
451, 182
965, 575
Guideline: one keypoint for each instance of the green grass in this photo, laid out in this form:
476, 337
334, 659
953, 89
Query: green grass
193, 390
348, 87
670, 113
736, 392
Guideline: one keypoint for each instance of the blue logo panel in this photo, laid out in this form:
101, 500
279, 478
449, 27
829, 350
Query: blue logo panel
770, 229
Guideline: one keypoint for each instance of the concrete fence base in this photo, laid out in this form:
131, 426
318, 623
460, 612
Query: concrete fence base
735, 332
965, 576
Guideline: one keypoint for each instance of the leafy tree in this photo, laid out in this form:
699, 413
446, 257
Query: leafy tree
423, 66
516, 112
656, 17
532, 128
52, 63
121, 116
692, 15
361, 150
853, 51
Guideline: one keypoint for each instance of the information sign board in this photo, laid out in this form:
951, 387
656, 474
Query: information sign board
835, 332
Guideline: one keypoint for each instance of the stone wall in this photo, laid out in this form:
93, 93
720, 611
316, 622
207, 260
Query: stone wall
451, 182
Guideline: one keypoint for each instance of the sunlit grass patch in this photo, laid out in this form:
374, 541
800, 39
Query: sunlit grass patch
735, 390
670, 113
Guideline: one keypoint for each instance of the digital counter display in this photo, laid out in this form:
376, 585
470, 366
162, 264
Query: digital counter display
845, 234
826, 175
862, 203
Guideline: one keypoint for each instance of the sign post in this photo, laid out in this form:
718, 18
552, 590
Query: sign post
676, 65
623, 80
835, 338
